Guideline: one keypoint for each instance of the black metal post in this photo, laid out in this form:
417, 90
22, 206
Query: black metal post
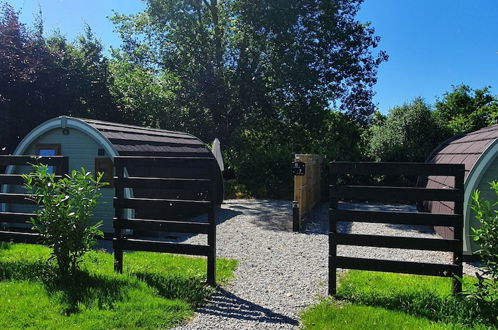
296, 221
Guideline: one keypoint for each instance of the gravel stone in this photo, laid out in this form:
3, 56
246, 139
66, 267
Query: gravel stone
281, 272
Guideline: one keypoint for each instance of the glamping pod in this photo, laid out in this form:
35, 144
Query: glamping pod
478, 151
93, 144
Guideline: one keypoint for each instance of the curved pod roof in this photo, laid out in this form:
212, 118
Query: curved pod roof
125, 140
476, 150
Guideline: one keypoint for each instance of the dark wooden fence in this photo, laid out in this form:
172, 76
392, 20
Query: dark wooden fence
12, 229
386, 194
170, 208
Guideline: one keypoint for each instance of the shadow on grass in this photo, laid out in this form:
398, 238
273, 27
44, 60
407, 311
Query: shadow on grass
428, 305
88, 289
5, 245
80, 288
189, 289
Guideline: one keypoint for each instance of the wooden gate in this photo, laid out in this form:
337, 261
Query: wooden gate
172, 208
12, 229
343, 192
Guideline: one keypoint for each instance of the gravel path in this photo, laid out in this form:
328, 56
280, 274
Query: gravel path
281, 272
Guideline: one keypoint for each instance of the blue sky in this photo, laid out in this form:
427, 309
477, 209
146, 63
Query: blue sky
432, 44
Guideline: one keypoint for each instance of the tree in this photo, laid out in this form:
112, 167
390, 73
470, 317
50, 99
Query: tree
142, 97
408, 133
20, 68
81, 77
466, 109
41, 78
243, 62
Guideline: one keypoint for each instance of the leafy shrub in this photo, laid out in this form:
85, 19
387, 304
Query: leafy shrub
486, 236
408, 133
65, 212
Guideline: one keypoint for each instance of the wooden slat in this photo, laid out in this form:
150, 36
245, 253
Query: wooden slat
406, 169
163, 161
410, 243
15, 179
155, 246
392, 194
445, 270
161, 225
136, 203
160, 183
15, 217
6, 160
401, 218
15, 198
18, 237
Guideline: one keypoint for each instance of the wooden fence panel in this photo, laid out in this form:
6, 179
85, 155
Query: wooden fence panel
171, 209
390, 194
8, 219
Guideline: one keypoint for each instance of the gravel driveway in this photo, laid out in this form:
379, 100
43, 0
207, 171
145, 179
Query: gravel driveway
281, 272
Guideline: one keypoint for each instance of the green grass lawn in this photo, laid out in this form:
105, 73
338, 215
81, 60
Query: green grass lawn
155, 290
377, 300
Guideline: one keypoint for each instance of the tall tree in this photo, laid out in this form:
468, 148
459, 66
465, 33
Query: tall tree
41, 78
81, 76
21, 66
466, 109
247, 61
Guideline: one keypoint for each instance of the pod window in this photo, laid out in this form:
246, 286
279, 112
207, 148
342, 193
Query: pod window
48, 150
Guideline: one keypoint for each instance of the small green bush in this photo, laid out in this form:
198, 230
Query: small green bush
63, 218
486, 236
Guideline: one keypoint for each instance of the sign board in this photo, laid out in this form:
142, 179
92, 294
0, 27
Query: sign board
298, 168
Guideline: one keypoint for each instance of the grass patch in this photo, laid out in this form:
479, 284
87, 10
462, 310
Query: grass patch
155, 291
387, 301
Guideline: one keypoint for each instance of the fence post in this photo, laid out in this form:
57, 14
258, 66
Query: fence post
332, 237
458, 231
211, 259
64, 168
296, 225
118, 214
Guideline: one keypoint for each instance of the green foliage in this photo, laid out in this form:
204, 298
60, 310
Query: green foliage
408, 133
261, 158
245, 64
82, 77
466, 109
395, 301
486, 236
64, 214
41, 78
155, 291
142, 97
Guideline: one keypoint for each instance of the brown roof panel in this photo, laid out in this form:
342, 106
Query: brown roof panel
117, 136
461, 149
449, 148
144, 141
